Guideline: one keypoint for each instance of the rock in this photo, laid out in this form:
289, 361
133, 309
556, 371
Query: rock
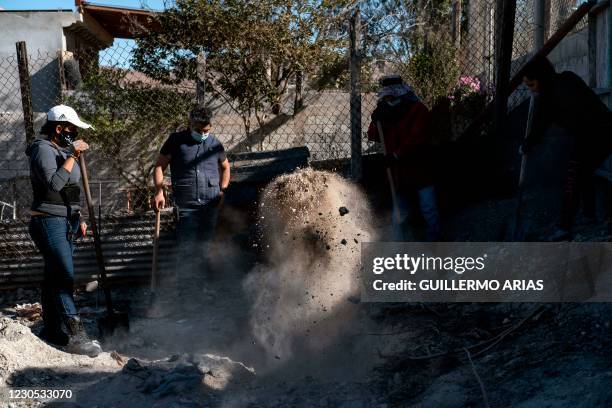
91, 286
343, 242
343, 211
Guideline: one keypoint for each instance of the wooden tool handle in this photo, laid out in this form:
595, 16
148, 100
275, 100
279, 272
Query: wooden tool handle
155, 250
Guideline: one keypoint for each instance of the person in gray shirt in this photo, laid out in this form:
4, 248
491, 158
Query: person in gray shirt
56, 223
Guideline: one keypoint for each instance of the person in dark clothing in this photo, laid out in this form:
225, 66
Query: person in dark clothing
566, 100
55, 224
200, 174
405, 123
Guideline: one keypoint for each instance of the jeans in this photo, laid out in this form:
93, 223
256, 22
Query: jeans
54, 237
194, 232
429, 211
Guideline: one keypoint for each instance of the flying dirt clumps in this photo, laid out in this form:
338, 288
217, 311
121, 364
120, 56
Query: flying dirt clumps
312, 248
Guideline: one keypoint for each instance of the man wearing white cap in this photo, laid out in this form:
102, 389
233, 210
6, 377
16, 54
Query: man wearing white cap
56, 223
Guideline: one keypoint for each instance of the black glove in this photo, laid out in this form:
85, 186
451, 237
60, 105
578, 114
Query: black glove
390, 160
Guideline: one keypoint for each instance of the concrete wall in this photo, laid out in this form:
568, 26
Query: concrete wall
42, 30
44, 35
572, 55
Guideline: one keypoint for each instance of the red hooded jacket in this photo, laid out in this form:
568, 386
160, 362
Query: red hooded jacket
407, 135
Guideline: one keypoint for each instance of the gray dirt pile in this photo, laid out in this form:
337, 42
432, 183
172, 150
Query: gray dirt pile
312, 224
21, 350
181, 380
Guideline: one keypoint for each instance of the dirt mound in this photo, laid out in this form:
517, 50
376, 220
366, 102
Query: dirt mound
22, 352
185, 380
312, 223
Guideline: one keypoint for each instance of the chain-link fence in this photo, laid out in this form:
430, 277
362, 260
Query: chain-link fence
448, 52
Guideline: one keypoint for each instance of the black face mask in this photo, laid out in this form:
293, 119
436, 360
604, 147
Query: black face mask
66, 139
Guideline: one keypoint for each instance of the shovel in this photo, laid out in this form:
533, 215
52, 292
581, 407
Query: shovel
519, 227
113, 321
396, 214
155, 251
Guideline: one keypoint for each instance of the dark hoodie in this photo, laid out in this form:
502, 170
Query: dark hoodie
569, 102
55, 190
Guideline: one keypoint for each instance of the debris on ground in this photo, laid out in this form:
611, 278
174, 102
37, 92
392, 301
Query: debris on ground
29, 311
296, 317
26, 360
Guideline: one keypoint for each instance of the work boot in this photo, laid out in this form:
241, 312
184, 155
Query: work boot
58, 338
79, 342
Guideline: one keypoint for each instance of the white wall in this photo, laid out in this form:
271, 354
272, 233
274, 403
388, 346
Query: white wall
44, 36
42, 30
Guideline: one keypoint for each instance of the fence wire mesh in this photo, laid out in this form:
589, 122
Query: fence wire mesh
446, 50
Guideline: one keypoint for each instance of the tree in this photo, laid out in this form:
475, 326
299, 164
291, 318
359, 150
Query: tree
253, 49
131, 120
413, 38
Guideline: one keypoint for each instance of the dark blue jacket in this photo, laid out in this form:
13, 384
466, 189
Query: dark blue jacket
194, 168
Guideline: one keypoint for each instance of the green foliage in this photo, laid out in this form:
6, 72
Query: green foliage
252, 49
131, 121
433, 70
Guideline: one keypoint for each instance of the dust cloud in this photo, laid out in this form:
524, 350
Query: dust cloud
312, 224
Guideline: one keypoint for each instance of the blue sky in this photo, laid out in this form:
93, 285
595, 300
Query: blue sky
69, 4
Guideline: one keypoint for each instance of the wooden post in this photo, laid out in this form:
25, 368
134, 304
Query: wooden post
201, 79
355, 104
26, 90
505, 14
298, 102
62, 72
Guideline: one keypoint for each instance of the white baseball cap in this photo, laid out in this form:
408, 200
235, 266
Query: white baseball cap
63, 113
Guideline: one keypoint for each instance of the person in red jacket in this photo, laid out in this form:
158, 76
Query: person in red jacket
404, 120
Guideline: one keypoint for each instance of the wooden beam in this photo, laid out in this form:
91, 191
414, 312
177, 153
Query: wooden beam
516, 80
506, 12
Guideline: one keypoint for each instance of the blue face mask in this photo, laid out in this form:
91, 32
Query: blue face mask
199, 137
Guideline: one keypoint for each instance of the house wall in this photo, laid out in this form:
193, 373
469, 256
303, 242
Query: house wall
44, 36
42, 30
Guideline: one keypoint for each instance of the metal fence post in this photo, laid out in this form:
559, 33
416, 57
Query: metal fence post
26, 90
592, 49
201, 79
506, 11
355, 114
540, 24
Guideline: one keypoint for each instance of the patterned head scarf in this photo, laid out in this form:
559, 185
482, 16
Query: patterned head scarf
394, 85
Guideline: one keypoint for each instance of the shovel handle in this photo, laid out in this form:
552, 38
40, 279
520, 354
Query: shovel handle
396, 214
96, 234
155, 250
